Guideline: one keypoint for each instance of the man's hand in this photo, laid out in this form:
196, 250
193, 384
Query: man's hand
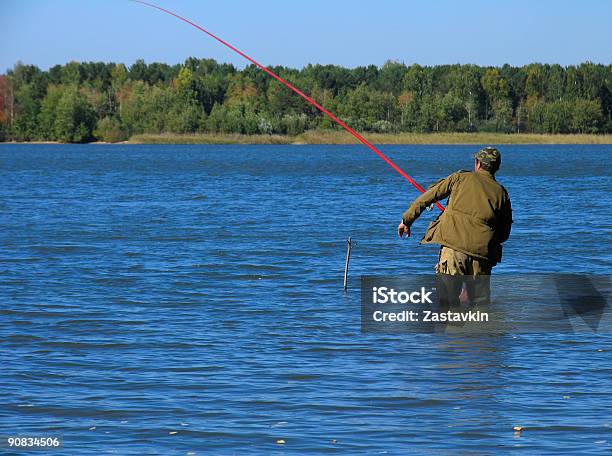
403, 230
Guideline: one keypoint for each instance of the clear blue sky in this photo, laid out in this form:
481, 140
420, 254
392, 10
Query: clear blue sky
294, 33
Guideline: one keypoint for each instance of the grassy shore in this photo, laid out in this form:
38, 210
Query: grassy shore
340, 137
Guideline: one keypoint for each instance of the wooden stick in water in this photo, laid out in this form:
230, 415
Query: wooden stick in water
346, 266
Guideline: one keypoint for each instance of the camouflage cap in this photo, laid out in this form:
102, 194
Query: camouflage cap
489, 155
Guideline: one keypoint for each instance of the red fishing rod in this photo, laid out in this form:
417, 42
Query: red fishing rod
301, 94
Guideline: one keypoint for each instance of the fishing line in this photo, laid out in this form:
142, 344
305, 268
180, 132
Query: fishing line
300, 93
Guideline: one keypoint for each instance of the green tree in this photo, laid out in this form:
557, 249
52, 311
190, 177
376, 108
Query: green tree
555, 83
109, 129
75, 118
414, 80
48, 112
536, 110
592, 79
216, 118
408, 107
295, 124
368, 106
557, 117
391, 76
27, 107
502, 115
535, 84
450, 114
119, 76
210, 89
72, 74
138, 71
184, 116
67, 101
586, 116
185, 83
494, 85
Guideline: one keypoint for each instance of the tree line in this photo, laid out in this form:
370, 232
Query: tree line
82, 102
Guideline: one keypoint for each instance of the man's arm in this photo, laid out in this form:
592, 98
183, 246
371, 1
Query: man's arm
438, 191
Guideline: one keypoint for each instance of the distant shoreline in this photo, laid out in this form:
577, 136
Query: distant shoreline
339, 137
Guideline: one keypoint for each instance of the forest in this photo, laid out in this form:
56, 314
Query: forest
96, 101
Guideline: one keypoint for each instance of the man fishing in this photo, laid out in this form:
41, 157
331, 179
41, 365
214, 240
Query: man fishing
471, 230
478, 218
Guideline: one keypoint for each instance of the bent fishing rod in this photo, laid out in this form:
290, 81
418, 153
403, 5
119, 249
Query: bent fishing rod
300, 93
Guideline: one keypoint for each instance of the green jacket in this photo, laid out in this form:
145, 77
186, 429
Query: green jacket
477, 218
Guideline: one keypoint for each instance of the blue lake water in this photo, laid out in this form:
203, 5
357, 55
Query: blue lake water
188, 300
